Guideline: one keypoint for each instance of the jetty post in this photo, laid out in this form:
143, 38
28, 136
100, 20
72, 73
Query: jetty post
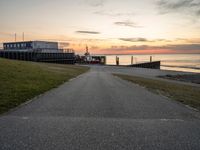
117, 60
131, 60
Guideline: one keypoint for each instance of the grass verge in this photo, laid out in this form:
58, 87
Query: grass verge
186, 94
20, 81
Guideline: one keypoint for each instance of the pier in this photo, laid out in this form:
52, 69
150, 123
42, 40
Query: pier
152, 65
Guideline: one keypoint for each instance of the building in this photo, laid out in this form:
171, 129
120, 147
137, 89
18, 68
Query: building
33, 46
37, 51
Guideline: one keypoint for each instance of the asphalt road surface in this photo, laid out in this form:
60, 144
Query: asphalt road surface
97, 111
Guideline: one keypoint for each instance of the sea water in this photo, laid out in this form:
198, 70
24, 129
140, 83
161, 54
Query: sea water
176, 62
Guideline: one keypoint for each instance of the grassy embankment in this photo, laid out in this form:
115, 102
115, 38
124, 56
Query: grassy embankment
186, 94
20, 81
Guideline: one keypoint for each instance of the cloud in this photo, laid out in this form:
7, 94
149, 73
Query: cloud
178, 47
186, 6
174, 5
133, 47
198, 12
88, 32
95, 3
141, 39
127, 24
134, 39
94, 47
184, 47
113, 14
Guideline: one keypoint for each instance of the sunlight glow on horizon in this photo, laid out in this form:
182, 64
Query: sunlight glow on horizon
104, 25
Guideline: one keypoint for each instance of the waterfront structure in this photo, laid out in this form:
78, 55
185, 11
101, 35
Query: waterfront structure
90, 59
151, 64
33, 46
38, 51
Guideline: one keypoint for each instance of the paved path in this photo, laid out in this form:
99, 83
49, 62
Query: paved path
99, 111
145, 72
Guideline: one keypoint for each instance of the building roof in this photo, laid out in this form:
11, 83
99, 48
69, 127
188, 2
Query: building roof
28, 42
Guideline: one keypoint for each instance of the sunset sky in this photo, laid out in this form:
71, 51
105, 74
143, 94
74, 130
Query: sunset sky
106, 26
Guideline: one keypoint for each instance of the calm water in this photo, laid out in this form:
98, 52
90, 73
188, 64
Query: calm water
177, 62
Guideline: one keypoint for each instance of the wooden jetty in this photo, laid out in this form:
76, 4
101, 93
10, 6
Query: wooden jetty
152, 65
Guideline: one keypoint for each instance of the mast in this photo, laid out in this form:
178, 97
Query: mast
86, 49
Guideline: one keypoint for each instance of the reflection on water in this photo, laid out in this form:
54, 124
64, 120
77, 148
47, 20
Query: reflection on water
178, 62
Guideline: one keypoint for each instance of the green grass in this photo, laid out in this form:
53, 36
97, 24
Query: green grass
21, 81
189, 95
